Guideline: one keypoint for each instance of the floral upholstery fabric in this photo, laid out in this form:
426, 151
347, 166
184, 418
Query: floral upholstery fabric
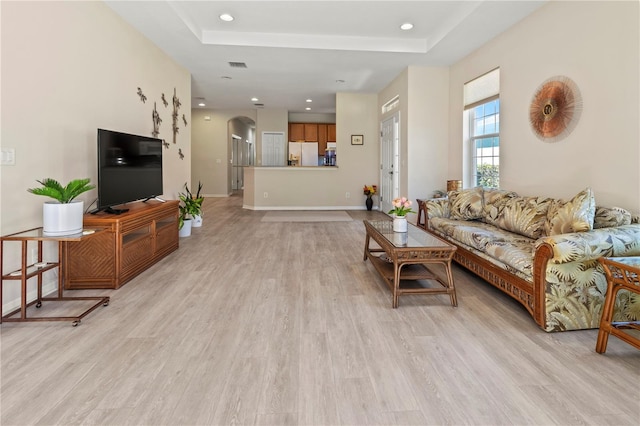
524, 215
494, 201
608, 217
467, 204
475, 234
575, 215
437, 207
607, 242
517, 254
575, 283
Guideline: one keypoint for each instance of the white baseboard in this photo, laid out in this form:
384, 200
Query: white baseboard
48, 288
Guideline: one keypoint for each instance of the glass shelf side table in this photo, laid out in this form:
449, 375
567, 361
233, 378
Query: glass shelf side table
37, 269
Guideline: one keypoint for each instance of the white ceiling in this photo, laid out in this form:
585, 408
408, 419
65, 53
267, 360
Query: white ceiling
298, 50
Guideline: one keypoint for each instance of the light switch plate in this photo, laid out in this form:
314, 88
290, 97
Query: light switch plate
8, 157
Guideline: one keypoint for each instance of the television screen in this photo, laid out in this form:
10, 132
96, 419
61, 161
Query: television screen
129, 168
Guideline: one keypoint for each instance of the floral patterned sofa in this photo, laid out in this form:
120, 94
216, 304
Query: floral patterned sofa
541, 251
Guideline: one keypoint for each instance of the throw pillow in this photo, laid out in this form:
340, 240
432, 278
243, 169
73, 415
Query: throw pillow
494, 201
466, 204
525, 216
607, 217
575, 215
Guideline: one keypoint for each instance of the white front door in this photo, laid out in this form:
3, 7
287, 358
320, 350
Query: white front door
389, 157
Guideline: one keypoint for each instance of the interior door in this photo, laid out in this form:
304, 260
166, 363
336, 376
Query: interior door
389, 157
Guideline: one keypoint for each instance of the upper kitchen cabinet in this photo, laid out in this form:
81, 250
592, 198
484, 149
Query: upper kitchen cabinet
322, 139
296, 132
331, 132
311, 132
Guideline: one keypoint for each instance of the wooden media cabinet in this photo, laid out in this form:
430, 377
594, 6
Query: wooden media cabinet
134, 241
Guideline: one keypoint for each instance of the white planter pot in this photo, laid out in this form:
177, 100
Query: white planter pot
400, 239
62, 219
185, 231
400, 224
196, 221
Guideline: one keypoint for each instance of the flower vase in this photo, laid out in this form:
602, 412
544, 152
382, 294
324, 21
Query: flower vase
400, 224
369, 202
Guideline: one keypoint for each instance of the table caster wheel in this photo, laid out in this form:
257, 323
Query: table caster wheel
39, 304
75, 323
105, 303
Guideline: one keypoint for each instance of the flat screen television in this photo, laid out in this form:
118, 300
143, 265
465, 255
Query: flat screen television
129, 169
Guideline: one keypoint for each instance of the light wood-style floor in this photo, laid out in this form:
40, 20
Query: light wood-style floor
285, 324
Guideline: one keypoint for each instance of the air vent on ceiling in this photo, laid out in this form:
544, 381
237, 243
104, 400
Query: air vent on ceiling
259, 105
237, 65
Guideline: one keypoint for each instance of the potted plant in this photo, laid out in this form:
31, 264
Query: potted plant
401, 207
369, 191
64, 215
189, 208
198, 199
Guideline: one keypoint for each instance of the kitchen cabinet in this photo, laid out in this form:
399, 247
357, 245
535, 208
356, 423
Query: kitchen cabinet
296, 132
322, 139
311, 132
331, 132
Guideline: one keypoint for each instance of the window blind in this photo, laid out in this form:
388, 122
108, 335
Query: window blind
482, 89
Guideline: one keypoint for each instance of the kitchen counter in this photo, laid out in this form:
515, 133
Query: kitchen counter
299, 188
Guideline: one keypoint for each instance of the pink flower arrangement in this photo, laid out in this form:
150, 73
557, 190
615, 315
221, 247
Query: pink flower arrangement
401, 206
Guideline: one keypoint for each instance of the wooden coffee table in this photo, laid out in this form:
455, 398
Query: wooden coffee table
409, 256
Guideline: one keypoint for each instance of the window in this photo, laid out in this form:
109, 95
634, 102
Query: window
482, 109
485, 143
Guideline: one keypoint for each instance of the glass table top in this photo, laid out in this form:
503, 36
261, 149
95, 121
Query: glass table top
413, 238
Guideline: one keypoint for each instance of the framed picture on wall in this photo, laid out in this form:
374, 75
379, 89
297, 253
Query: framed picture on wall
357, 140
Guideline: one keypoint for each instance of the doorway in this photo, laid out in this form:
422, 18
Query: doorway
389, 161
241, 134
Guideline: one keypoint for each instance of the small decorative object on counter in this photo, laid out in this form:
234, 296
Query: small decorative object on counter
369, 191
401, 207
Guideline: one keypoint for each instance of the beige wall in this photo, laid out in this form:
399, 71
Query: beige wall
270, 120
212, 150
324, 187
69, 68
596, 44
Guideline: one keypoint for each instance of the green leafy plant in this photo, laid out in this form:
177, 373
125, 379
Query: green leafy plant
63, 194
190, 205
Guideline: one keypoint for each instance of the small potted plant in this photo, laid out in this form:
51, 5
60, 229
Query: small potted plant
64, 215
369, 191
189, 208
401, 207
196, 218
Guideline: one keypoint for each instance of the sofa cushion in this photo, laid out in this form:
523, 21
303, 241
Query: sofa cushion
516, 254
474, 234
607, 217
524, 215
466, 204
575, 215
494, 201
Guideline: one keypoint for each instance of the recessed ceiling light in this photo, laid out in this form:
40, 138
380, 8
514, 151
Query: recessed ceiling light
254, 99
309, 100
308, 108
406, 26
226, 17
201, 104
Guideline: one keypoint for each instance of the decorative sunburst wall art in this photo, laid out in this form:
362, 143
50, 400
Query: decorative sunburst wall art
555, 109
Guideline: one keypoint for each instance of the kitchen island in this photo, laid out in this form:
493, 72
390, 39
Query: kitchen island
299, 188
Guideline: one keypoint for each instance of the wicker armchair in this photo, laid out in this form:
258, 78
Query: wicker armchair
622, 274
